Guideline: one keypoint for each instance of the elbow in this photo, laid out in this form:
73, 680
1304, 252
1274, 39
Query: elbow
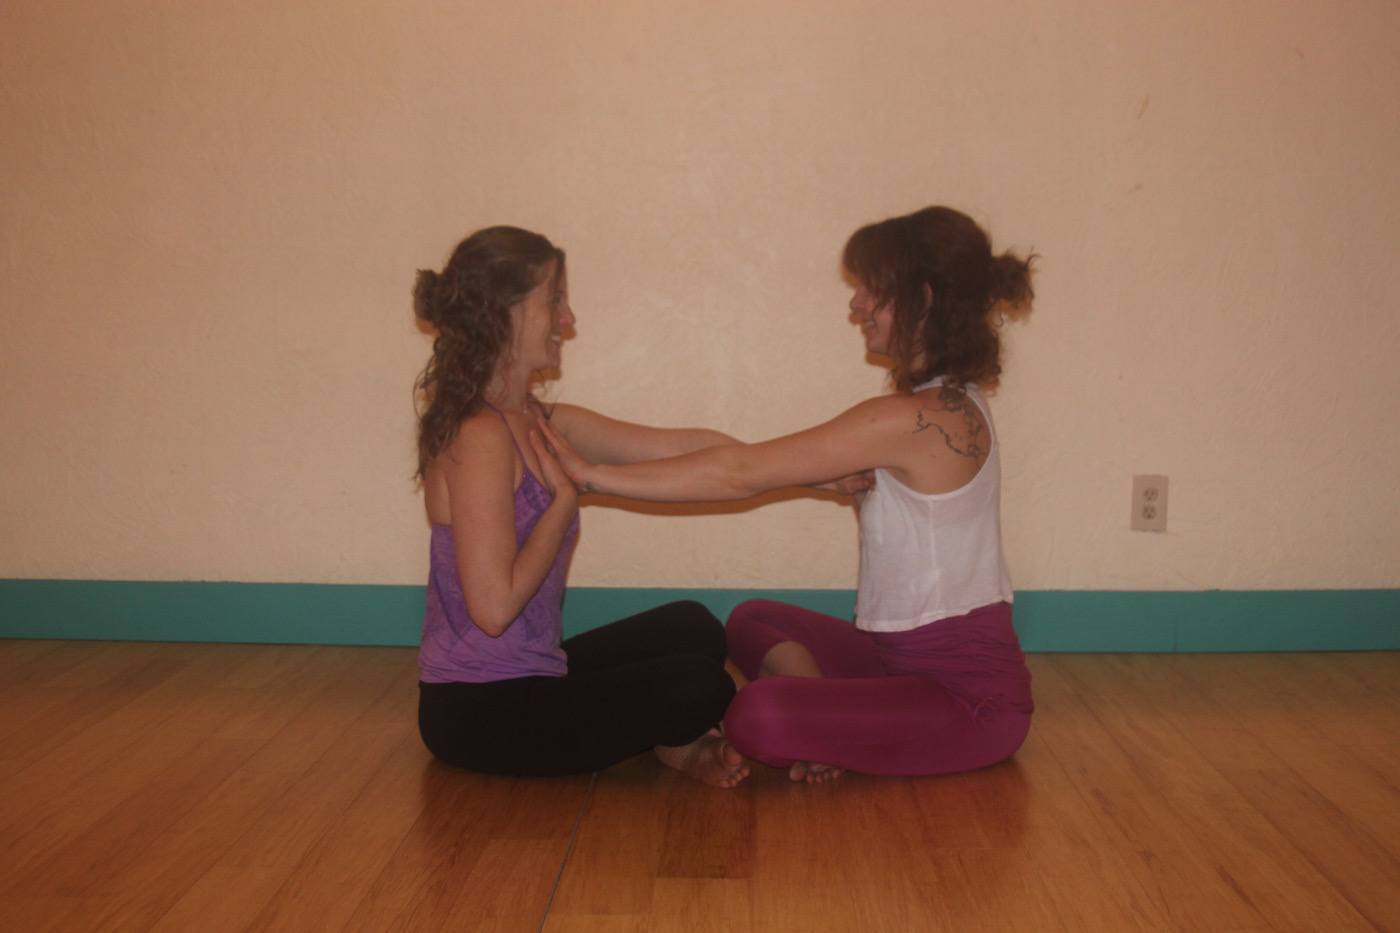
494, 628
492, 620
716, 439
736, 479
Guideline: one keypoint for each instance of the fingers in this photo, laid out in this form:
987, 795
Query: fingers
552, 435
562, 449
542, 449
554, 462
553, 472
548, 465
856, 483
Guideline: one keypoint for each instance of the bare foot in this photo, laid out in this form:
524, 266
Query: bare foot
814, 772
709, 759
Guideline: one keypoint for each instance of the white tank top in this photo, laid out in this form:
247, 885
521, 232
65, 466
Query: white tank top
928, 557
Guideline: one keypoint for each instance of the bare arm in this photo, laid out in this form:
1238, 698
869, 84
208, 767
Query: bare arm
498, 578
865, 436
601, 439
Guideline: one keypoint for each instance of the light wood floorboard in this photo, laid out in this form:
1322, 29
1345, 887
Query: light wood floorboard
234, 787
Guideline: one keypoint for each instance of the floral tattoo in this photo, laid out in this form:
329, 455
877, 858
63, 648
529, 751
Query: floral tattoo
956, 401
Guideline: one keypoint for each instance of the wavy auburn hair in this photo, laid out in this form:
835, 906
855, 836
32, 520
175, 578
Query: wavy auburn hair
936, 268
467, 305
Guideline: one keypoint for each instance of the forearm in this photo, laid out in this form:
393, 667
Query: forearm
720, 473
712, 474
680, 441
607, 440
532, 564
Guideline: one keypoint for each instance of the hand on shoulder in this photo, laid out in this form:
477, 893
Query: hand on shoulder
549, 451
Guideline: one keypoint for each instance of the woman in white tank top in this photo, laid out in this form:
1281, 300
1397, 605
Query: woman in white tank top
930, 678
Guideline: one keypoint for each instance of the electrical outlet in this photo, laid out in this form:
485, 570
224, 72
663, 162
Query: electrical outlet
1149, 503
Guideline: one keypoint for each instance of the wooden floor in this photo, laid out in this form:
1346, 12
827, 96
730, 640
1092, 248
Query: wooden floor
217, 787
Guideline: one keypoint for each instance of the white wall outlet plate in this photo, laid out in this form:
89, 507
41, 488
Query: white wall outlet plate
1149, 503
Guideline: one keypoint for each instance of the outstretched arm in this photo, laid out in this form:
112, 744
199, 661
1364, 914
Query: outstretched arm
601, 439
859, 439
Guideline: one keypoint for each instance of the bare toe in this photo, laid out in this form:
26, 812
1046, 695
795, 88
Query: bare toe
709, 759
813, 772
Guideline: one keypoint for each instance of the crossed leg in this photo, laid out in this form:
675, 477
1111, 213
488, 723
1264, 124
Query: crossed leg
681, 629
772, 639
821, 700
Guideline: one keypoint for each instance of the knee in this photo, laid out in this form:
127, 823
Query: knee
700, 688
701, 632
757, 719
751, 610
1015, 735
749, 634
747, 620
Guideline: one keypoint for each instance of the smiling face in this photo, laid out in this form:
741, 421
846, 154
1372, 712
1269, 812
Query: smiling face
540, 321
876, 319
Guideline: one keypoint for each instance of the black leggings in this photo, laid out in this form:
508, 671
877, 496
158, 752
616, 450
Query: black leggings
656, 678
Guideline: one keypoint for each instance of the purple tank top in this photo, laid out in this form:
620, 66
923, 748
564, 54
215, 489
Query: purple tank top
453, 649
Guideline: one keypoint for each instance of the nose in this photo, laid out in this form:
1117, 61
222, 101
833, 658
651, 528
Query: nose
860, 303
566, 317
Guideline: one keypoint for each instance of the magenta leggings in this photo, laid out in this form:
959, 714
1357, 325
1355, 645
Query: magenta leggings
952, 695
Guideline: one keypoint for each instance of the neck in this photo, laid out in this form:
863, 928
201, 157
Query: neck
509, 390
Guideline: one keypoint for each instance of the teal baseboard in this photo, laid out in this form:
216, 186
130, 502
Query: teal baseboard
347, 614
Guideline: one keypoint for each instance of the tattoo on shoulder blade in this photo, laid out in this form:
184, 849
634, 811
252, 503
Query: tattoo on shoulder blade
956, 401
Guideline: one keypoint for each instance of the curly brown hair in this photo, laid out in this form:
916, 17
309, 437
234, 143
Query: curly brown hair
467, 305
940, 254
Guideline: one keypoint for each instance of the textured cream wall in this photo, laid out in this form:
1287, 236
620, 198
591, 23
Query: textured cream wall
212, 213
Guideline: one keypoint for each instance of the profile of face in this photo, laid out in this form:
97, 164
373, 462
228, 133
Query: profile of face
540, 320
875, 318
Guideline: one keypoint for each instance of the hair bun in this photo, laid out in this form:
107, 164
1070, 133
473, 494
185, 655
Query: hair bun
1011, 280
425, 290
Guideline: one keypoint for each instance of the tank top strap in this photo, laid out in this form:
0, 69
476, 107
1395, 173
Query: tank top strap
516, 444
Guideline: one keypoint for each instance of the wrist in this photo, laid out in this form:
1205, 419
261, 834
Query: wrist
595, 479
565, 497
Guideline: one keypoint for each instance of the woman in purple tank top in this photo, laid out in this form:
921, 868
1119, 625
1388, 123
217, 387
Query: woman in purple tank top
931, 678
500, 690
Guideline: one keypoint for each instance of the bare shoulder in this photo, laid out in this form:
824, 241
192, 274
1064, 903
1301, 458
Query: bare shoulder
481, 451
882, 411
949, 416
878, 425
482, 437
